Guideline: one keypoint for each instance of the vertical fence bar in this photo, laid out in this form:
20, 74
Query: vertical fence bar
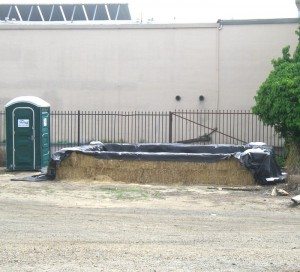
170, 126
78, 127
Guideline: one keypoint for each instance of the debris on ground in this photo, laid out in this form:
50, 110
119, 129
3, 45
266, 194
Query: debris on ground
274, 192
296, 199
243, 188
34, 178
279, 192
282, 192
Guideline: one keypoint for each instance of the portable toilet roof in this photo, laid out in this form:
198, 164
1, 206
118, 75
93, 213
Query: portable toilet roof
28, 99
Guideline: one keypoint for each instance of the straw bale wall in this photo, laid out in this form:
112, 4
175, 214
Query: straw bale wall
84, 167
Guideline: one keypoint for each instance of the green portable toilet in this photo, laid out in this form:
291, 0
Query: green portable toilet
27, 133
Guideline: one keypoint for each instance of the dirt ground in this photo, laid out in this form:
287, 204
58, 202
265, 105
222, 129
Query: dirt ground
109, 226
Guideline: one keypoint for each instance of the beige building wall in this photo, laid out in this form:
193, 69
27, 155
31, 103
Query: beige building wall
139, 67
130, 68
245, 58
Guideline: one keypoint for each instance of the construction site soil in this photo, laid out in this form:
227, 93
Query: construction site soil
109, 226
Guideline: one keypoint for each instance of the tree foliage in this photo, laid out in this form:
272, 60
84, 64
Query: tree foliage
278, 98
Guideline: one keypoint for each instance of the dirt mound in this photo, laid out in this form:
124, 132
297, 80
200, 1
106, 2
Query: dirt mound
226, 172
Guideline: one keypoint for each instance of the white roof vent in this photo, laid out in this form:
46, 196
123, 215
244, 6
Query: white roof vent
39, 102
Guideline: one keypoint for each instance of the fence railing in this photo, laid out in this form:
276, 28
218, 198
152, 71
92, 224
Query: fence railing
71, 128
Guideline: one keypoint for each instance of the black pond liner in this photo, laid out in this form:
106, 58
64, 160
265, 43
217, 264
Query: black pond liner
34, 178
259, 159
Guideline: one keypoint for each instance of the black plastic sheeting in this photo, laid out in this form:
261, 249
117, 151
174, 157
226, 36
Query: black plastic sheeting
259, 159
34, 178
262, 164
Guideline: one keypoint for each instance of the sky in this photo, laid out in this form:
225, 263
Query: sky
210, 10
181, 11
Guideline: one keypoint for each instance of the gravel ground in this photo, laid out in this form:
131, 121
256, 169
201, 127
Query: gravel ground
83, 226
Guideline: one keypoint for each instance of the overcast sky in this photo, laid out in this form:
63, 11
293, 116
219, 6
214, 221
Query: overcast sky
195, 10
211, 10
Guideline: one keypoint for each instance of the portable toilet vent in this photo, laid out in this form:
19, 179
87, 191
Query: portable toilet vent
27, 133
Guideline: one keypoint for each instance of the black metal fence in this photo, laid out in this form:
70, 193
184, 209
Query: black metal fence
71, 128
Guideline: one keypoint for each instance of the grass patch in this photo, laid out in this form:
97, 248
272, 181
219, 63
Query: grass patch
135, 193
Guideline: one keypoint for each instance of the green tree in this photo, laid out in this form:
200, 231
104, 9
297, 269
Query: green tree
278, 103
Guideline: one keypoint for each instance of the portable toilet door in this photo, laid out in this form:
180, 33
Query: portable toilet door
27, 133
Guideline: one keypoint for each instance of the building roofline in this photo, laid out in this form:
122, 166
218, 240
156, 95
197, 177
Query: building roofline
89, 25
130, 25
260, 21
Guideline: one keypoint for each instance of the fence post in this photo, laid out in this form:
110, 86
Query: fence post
78, 127
170, 126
